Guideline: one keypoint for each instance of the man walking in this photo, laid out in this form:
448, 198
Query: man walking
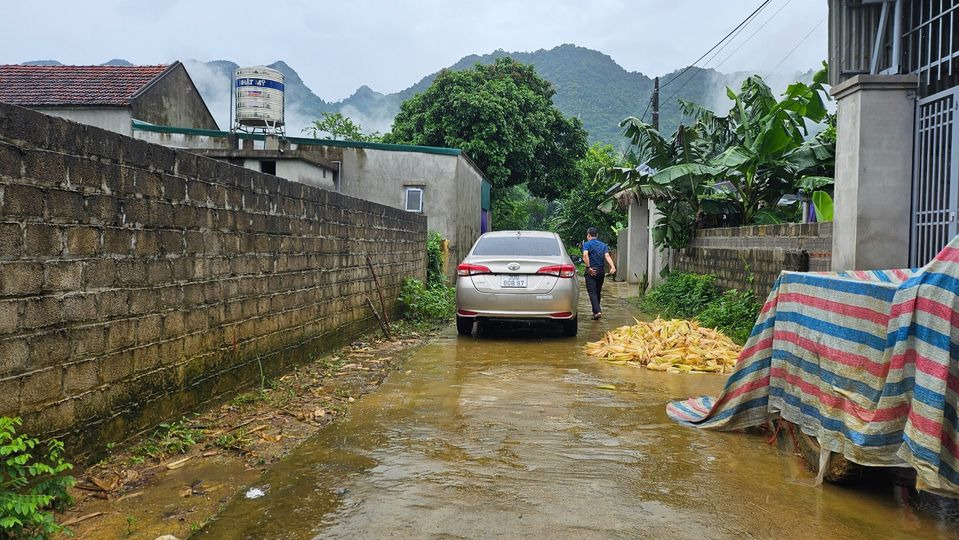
595, 257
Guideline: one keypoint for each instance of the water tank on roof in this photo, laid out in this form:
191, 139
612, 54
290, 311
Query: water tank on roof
259, 97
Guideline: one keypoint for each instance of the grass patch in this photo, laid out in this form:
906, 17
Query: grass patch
168, 439
427, 303
694, 296
233, 441
733, 313
681, 295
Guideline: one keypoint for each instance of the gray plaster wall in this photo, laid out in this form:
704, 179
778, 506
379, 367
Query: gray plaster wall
622, 253
873, 172
115, 119
451, 189
469, 187
173, 100
297, 171
638, 242
382, 175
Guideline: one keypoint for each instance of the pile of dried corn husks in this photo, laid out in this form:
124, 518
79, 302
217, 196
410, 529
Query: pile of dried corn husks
675, 345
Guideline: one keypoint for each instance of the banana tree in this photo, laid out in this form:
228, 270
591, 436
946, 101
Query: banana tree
674, 175
739, 165
773, 147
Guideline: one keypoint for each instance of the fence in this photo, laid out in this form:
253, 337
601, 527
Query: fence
752, 257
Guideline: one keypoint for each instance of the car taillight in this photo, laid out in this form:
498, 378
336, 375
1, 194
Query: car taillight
558, 270
471, 270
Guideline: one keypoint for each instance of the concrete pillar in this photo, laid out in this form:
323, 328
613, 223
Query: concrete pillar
622, 253
638, 243
658, 259
873, 172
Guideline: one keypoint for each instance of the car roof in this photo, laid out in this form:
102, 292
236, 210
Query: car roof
528, 234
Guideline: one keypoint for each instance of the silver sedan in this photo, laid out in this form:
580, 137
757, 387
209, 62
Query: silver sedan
517, 275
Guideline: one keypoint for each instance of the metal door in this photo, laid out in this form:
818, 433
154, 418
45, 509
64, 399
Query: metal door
935, 178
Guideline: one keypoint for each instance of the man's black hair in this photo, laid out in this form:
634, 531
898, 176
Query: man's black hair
592, 232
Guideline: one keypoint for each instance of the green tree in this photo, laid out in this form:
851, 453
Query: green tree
739, 165
580, 208
515, 208
502, 115
337, 126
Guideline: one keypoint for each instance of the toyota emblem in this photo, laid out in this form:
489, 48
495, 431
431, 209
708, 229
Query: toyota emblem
513, 266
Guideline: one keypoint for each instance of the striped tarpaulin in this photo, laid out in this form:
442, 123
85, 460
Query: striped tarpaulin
866, 362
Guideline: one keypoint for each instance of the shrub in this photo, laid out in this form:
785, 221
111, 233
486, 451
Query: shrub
30, 488
422, 303
733, 314
694, 296
434, 259
681, 295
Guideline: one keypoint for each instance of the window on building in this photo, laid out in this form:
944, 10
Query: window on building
268, 166
414, 199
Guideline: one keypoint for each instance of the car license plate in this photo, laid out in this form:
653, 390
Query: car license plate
514, 282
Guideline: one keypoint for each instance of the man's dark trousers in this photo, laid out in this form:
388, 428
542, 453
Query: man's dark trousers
594, 286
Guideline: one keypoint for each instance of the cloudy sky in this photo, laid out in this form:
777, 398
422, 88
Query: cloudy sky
389, 45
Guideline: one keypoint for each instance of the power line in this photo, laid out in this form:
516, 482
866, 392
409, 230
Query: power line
791, 51
724, 42
732, 39
720, 42
674, 94
648, 104
751, 36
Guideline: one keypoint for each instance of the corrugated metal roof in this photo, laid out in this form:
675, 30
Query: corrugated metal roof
75, 85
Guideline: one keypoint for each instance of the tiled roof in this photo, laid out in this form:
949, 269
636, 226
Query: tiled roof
74, 85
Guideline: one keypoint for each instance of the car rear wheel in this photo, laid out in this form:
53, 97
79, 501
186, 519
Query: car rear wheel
464, 325
571, 326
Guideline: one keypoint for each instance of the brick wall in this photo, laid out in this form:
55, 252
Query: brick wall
740, 256
138, 282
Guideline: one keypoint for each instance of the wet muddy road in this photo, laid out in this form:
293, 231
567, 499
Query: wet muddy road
507, 434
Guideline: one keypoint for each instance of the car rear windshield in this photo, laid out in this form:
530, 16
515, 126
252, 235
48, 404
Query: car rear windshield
516, 246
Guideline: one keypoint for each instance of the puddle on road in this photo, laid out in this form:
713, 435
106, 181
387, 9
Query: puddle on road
507, 434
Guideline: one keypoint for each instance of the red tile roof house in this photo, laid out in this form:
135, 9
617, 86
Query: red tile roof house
109, 97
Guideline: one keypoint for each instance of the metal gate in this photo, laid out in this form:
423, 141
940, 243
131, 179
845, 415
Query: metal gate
935, 178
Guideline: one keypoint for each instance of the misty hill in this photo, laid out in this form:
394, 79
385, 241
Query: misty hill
114, 62
589, 85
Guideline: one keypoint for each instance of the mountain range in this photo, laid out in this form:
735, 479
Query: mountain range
589, 85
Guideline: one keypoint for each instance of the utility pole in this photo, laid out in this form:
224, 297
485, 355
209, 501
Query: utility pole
656, 103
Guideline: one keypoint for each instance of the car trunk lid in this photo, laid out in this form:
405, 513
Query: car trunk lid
514, 275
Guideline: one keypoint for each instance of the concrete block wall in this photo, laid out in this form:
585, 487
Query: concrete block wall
753, 257
138, 282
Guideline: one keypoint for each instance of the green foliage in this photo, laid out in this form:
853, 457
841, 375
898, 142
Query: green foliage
337, 126
515, 208
233, 441
733, 313
131, 522
169, 438
681, 295
426, 304
31, 488
731, 169
434, 259
694, 296
822, 202
502, 115
579, 209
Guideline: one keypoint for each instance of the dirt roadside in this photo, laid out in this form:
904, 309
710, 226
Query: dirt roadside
175, 479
